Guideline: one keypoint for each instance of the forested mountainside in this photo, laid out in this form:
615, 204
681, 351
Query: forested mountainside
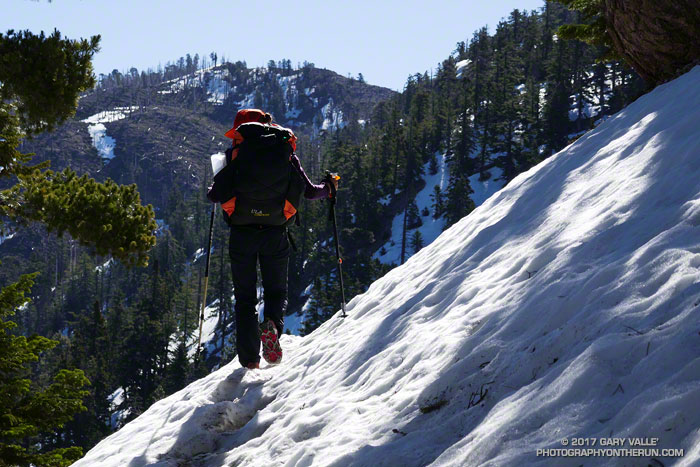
501, 102
411, 164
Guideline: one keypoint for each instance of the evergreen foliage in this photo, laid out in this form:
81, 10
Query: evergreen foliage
41, 77
25, 410
417, 241
591, 27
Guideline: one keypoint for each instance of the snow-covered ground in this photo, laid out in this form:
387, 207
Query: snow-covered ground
103, 143
431, 227
565, 307
115, 400
105, 266
211, 319
484, 189
294, 323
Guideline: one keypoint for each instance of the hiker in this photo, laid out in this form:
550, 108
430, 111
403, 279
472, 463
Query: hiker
260, 191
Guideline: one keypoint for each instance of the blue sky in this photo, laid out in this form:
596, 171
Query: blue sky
386, 41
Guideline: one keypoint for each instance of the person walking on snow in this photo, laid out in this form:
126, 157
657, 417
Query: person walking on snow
260, 191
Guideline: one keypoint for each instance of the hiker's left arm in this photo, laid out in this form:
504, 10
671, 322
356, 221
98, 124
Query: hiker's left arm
312, 191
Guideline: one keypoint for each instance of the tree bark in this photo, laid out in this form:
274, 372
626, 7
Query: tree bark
658, 38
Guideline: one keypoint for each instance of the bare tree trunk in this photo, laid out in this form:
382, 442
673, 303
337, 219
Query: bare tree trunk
403, 232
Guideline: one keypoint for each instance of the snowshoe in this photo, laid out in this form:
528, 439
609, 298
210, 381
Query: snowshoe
271, 349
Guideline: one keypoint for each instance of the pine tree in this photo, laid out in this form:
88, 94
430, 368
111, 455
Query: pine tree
417, 241
507, 98
23, 406
433, 166
89, 352
413, 219
458, 203
556, 124
438, 203
178, 370
224, 308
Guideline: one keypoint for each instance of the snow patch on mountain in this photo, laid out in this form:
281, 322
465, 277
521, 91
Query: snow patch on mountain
211, 319
108, 116
211, 79
115, 401
216, 85
3, 238
461, 66
291, 95
294, 323
390, 252
98, 131
332, 116
105, 266
101, 141
248, 101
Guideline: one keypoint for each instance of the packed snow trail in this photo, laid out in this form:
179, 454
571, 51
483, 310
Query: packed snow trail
567, 305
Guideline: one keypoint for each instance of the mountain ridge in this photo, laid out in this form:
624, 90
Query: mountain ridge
313, 97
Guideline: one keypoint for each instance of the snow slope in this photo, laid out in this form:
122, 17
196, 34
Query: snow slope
567, 305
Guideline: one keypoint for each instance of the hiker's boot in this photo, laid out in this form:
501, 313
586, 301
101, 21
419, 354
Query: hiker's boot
271, 349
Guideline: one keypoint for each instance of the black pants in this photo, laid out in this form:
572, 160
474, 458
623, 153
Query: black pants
247, 246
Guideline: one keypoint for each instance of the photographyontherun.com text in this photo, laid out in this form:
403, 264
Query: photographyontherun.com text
609, 447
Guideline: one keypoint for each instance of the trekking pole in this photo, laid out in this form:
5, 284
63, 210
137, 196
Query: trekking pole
218, 161
206, 280
330, 177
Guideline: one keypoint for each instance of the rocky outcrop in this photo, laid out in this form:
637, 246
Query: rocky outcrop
658, 38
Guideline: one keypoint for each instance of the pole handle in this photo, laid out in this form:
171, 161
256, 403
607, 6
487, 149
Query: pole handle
332, 177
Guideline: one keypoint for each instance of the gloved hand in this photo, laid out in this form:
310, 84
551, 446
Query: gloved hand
334, 178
